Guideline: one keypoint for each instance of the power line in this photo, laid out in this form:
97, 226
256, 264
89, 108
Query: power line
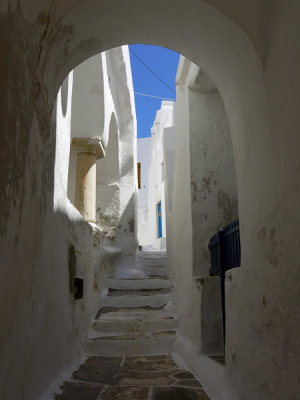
155, 97
154, 73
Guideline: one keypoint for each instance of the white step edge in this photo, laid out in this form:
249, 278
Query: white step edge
154, 271
137, 284
155, 300
131, 313
137, 346
152, 262
134, 325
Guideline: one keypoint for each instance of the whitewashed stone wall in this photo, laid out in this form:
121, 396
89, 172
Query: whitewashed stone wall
68, 246
204, 200
144, 158
252, 55
156, 192
97, 112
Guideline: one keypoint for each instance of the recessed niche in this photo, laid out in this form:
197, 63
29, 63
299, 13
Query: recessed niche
78, 288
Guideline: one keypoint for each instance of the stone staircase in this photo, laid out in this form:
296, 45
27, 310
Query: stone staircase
137, 316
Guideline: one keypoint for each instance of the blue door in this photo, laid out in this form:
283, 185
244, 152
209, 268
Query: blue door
159, 220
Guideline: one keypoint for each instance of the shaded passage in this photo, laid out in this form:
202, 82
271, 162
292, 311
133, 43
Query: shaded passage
131, 378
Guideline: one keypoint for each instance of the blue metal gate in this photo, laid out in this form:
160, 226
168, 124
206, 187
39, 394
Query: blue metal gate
225, 254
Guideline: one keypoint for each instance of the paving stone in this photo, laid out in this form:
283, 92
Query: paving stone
183, 375
125, 393
164, 333
99, 369
150, 365
135, 380
188, 382
146, 381
146, 378
79, 391
150, 358
178, 393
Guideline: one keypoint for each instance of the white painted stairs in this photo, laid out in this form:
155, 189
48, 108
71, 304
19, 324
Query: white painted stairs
137, 316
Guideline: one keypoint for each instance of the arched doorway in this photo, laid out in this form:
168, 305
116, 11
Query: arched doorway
213, 41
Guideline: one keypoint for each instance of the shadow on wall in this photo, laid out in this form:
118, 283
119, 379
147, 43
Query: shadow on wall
212, 169
125, 239
108, 184
204, 199
257, 74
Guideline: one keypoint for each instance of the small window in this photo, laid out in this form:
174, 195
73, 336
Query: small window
139, 174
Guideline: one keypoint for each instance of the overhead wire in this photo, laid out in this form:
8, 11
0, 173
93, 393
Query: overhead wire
155, 97
151, 70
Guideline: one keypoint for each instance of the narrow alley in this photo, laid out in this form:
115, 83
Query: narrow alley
137, 317
149, 200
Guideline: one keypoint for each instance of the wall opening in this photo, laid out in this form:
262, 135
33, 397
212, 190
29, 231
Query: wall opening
139, 175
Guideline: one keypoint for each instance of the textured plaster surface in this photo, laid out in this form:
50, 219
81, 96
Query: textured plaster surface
144, 158
118, 63
156, 178
251, 52
99, 84
213, 180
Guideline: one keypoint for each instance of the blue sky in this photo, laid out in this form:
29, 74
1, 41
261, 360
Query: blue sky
163, 62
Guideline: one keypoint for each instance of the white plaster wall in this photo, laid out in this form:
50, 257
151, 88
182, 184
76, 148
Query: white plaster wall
108, 200
251, 52
88, 100
156, 191
213, 180
144, 158
205, 168
99, 85
93, 258
51, 318
51, 312
121, 87
179, 228
92, 109
169, 147
91, 242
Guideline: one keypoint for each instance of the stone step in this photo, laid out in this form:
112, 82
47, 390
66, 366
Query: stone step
134, 325
140, 319
151, 262
132, 344
151, 254
137, 298
138, 284
161, 272
133, 313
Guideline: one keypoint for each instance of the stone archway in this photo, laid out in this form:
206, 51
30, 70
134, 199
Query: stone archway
42, 43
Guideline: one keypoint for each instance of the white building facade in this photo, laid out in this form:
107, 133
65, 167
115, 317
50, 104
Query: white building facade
98, 113
143, 164
154, 229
